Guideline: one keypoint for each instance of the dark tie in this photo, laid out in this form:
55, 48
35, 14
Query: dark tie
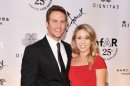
60, 60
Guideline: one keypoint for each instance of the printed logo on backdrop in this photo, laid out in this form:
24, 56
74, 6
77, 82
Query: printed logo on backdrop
29, 39
125, 24
2, 64
26, 41
123, 71
19, 55
40, 5
2, 81
108, 47
3, 20
106, 4
73, 19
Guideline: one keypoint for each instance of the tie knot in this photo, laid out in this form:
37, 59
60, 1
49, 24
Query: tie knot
58, 45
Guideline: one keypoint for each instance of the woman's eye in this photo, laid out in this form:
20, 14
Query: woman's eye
86, 38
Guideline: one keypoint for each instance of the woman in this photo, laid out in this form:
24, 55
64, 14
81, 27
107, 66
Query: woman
87, 67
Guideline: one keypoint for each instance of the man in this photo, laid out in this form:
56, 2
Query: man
40, 64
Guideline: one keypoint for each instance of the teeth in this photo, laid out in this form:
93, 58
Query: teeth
82, 46
57, 30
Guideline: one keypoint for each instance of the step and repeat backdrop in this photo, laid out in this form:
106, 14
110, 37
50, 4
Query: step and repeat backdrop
22, 22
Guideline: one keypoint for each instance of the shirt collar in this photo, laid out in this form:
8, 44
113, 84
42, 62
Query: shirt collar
52, 41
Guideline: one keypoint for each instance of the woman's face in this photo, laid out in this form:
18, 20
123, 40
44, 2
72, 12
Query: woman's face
82, 40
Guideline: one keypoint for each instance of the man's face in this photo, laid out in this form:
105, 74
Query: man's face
56, 25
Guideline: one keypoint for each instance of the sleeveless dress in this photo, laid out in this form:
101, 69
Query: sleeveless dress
82, 76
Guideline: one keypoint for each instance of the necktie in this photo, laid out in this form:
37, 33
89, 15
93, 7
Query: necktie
60, 60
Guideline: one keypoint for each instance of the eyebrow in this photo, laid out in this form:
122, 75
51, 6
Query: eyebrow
57, 20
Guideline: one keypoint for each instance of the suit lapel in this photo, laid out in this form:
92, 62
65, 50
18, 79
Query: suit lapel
50, 54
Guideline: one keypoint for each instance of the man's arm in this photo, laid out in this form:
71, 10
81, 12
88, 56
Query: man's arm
29, 68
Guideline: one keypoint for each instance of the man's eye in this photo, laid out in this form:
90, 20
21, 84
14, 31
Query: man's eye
79, 38
62, 21
54, 21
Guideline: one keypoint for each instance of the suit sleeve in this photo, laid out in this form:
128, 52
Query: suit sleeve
29, 68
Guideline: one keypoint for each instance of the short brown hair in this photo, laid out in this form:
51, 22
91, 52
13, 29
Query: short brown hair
55, 8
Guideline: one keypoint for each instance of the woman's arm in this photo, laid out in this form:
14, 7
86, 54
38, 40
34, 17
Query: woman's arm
101, 76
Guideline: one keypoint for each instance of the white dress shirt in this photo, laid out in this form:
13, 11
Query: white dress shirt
53, 46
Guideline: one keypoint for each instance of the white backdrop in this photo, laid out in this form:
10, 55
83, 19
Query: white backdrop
22, 22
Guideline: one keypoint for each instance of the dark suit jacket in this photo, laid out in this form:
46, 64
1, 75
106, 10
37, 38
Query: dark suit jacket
40, 68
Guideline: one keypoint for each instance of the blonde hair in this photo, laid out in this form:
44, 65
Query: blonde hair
94, 49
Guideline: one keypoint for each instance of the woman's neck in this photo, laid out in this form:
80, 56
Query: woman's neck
83, 54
